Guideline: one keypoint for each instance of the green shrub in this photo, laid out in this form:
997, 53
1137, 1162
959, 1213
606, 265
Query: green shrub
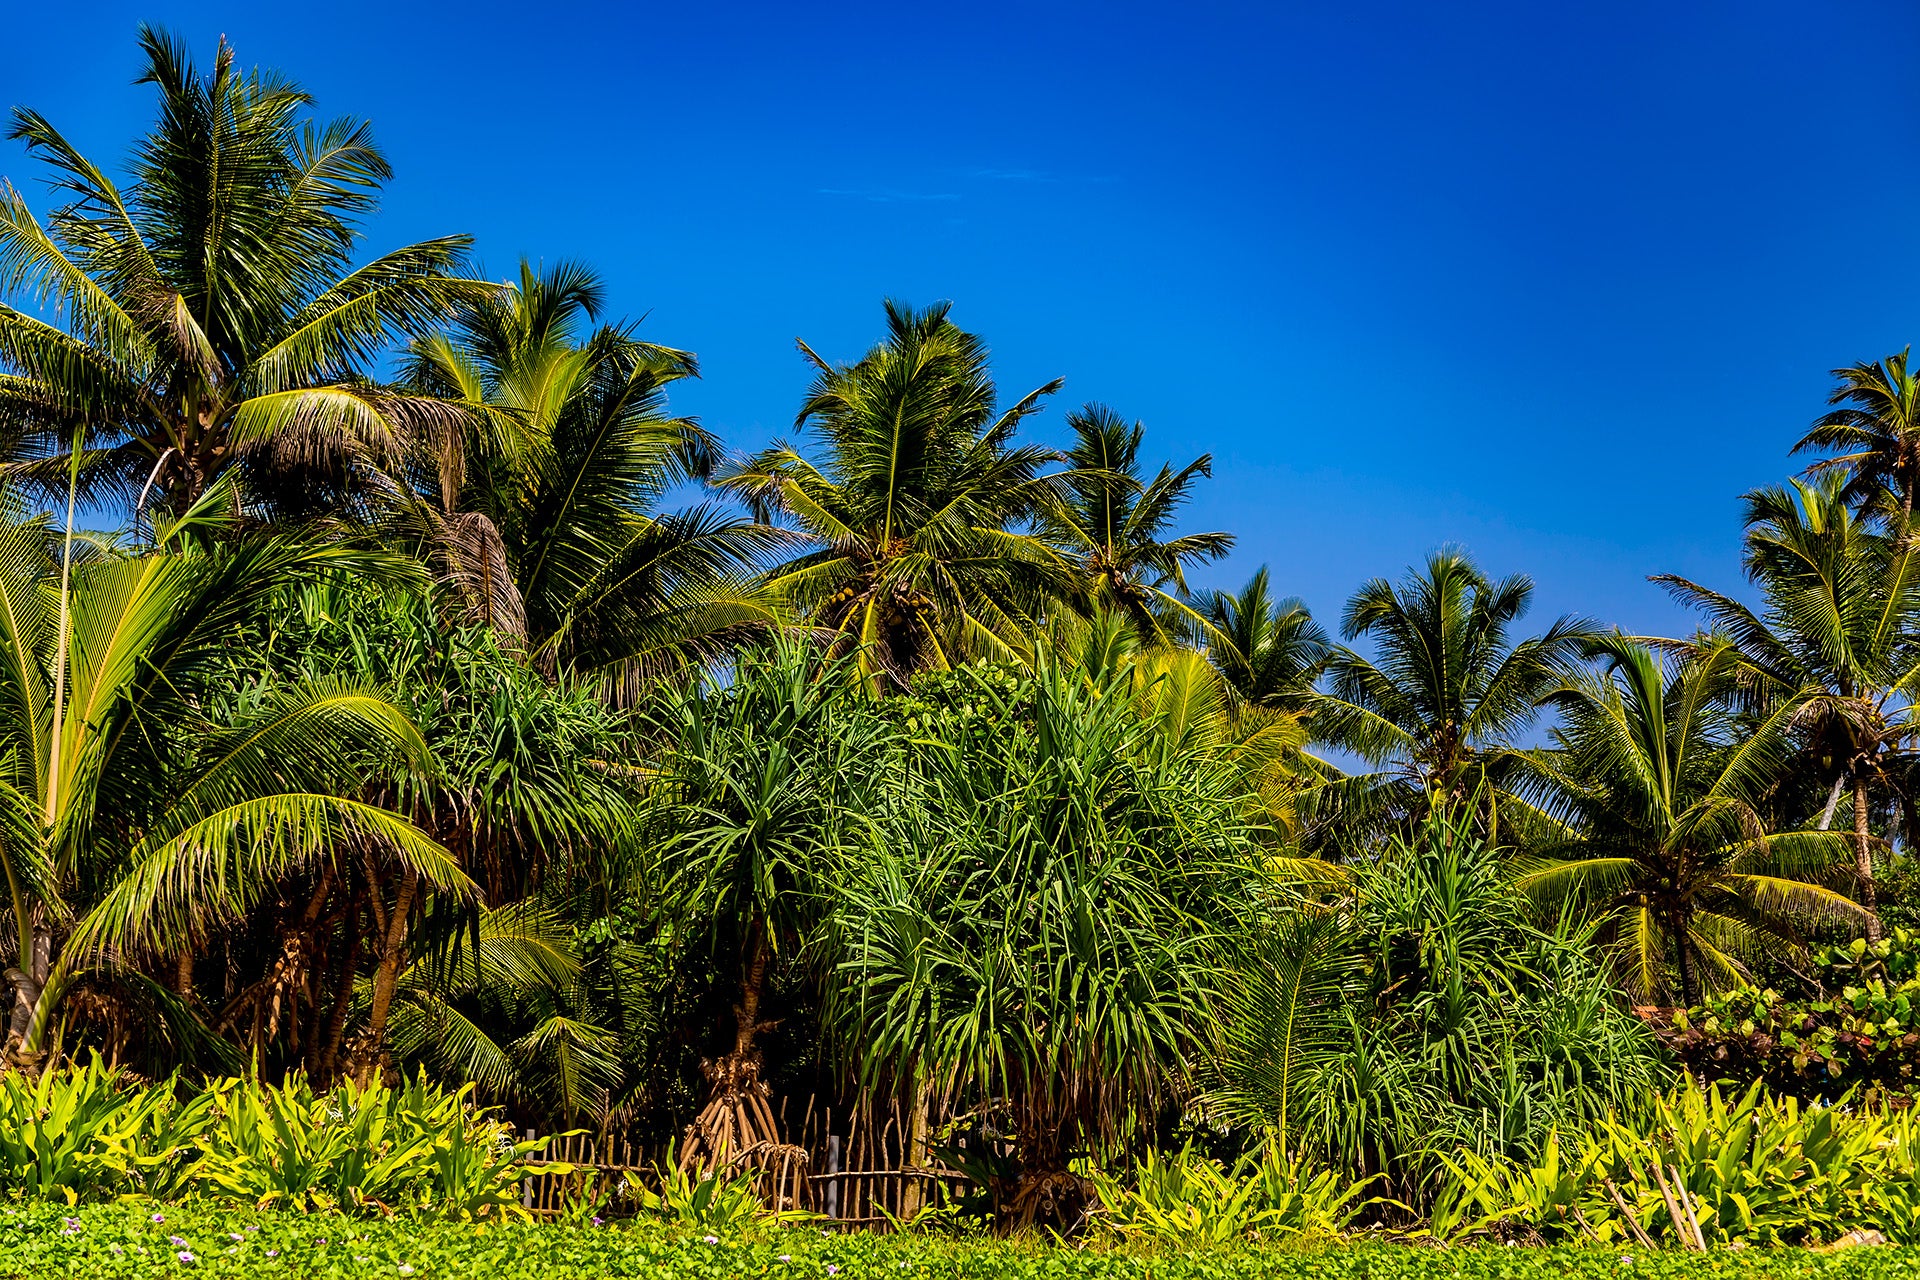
1861, 1035
1749, 1169
1187, 1199
88, 1133
418, 1148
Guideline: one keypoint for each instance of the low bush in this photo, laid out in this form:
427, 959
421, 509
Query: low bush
1860, 1032
87, 1133
1703, 1167
1187, 1199
132, 1239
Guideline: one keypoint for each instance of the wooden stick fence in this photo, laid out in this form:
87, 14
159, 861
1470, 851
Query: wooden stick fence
856, 1179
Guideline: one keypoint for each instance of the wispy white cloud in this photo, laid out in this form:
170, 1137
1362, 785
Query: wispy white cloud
1015, 175
1035, 175
886, 195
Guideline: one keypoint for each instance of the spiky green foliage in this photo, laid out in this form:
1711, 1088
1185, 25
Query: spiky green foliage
208, 312
915, 504
1037, 934
1415, 1010
141, 824
528, 796
765, 797
1660, 789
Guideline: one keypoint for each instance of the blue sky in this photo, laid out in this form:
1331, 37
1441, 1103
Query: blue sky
1555, 282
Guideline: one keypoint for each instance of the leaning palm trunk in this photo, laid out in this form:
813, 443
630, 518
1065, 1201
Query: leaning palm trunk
393, 950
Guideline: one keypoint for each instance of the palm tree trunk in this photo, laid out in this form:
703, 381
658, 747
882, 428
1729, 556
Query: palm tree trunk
1689, 988
913, 1192
1863, 857
29, 980
387, 976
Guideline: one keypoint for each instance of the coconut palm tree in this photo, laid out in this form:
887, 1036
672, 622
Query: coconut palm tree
546, 513
1659, 784
139, 822
1874, 436
1270, 651
1439, 708
209, 313
1831, 643
1114, 526
916, 504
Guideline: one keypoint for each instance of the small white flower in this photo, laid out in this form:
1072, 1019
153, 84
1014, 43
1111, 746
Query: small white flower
713, 1239
786, 1257
405, 1270
184, 1256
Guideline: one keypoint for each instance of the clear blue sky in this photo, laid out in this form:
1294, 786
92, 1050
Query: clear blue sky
1556, 282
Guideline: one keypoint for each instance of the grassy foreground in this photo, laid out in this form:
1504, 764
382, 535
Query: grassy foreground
125, 1239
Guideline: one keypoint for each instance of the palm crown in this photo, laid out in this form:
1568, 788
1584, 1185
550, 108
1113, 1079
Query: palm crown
1114, 526
546, 514
1671, 848
1270, 651
210, 312
1438, 708
1874, 436
916, 504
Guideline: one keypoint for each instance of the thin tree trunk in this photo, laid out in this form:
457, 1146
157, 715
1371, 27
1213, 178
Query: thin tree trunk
183, 973
1689, 992
29, 981
912, 1190
1863, 857
328, 1064
753, 981
1833, 801
387, 976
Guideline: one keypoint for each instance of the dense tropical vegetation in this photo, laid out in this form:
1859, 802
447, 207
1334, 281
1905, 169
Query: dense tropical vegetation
379, 741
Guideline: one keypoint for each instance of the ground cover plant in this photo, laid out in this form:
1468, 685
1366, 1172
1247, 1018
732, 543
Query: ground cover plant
389, 768
108, 1241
